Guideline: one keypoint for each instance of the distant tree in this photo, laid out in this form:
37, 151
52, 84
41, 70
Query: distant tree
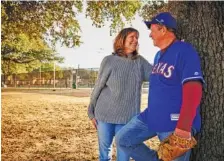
151, 8
115, 12
31, 29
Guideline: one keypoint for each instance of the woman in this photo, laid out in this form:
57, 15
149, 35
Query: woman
117, 92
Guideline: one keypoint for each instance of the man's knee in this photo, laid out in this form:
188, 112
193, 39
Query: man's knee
121, 139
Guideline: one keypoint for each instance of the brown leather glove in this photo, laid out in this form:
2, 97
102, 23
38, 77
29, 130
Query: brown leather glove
174, 146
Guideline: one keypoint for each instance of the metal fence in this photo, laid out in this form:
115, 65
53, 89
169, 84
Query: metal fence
70, 78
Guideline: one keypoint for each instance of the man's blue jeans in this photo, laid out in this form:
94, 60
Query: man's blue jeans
106, 133
131, 137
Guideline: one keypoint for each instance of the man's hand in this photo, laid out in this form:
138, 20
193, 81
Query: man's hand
94, 123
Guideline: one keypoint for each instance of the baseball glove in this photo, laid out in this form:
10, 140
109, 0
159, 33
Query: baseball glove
174, 146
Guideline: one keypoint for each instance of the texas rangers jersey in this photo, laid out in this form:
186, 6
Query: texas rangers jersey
178, 64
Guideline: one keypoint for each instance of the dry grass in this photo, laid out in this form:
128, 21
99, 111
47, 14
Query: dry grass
49, 125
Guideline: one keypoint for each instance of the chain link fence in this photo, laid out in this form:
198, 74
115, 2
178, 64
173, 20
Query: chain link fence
72, 78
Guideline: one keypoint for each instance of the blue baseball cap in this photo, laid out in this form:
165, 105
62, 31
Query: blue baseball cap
164, 18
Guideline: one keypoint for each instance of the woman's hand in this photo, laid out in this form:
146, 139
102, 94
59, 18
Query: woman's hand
94, 123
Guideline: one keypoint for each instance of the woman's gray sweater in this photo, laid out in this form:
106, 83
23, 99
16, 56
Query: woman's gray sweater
117, 93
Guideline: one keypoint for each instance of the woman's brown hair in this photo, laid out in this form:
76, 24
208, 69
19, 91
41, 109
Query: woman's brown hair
120, 41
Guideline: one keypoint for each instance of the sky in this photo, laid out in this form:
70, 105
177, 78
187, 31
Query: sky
97, 43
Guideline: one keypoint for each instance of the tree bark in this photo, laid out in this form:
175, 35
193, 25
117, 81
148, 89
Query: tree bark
202, 24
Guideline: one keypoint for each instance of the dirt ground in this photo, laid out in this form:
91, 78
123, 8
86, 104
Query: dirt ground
49, 125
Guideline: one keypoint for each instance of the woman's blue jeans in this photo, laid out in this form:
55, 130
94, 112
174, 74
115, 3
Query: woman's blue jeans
106, 133
131, 137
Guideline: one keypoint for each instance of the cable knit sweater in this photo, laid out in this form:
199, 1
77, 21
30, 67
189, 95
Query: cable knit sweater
117, 93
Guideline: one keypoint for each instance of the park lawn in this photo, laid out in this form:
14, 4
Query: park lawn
47, 126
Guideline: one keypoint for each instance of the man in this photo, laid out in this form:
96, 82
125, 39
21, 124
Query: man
174, 94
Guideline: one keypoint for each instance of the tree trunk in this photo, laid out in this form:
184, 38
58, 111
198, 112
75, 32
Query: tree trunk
202, 24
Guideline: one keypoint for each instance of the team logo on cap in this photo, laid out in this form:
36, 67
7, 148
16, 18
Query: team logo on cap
196, 73
160, 21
